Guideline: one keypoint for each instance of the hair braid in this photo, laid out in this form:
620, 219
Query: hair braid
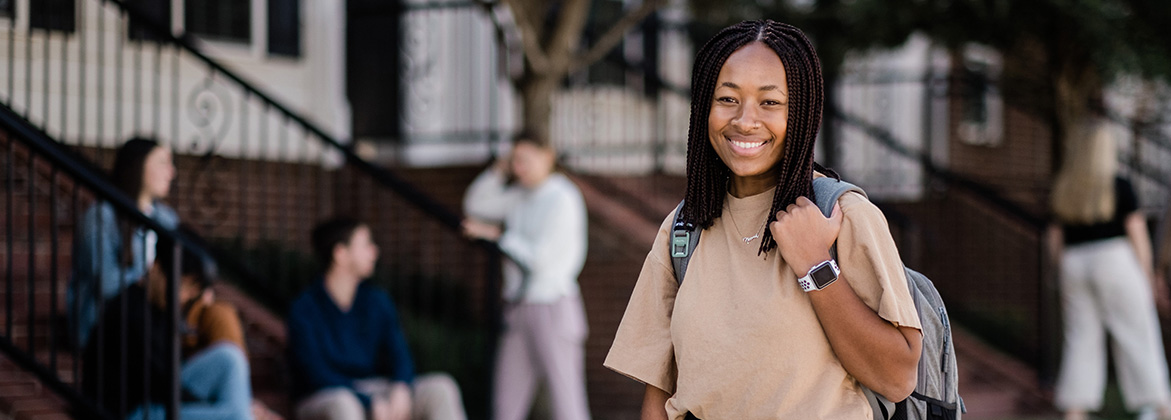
707, 175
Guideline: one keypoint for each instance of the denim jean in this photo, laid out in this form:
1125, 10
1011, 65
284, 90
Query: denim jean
218, 379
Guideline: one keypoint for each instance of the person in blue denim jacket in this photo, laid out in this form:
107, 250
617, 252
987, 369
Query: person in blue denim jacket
110, 252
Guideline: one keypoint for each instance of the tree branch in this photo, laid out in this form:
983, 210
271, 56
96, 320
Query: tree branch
614, 35
501, 29
529, 40
571, 22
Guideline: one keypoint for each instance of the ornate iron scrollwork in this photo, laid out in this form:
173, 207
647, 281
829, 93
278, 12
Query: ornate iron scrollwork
209, 110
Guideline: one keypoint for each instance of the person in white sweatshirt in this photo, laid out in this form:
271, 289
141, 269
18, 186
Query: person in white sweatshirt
538, 218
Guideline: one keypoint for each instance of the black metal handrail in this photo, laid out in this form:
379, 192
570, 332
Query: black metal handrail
82, 173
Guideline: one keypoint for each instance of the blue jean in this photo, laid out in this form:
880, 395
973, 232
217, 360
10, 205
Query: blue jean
218, 378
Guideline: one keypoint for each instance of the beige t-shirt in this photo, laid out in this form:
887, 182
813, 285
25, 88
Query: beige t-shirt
739, 339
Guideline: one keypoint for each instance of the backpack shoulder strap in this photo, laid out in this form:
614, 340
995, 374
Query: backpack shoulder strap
684, 237
826, 192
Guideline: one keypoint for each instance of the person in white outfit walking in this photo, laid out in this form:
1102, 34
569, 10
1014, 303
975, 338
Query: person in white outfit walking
544, 236
1107, 283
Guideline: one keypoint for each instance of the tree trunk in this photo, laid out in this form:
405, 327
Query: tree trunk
551, 53
537, 94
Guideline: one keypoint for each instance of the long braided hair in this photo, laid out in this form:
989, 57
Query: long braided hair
707, 175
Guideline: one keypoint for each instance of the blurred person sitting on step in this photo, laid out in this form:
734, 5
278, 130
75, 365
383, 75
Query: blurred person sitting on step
347, 352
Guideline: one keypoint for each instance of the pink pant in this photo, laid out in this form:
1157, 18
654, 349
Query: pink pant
542, 342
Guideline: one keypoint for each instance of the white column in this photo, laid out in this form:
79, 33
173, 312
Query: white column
325, 52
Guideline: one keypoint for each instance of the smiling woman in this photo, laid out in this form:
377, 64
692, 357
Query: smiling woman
748, 118
784, 346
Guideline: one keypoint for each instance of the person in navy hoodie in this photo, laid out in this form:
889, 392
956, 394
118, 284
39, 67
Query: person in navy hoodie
347, 351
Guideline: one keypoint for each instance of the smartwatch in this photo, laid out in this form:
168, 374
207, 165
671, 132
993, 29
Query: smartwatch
820, 276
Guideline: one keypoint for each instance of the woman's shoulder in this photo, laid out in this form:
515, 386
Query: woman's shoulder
560, 187
563, 183
854, 199
166, 215
1124, 187
858, 208
99, 212
659, 248
669, 222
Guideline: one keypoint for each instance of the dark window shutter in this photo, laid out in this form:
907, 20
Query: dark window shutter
53, 15
159, 14
284, 27
228, 20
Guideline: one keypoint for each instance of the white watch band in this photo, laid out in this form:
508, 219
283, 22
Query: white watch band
807, 282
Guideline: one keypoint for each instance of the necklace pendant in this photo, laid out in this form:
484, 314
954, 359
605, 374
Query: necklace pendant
748, 239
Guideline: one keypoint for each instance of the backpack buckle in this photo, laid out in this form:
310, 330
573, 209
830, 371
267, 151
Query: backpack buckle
681, 240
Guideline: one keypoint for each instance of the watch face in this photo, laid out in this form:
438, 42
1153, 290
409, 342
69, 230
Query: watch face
823, 276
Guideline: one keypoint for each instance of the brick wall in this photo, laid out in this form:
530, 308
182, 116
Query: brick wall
607, 281
1019, 168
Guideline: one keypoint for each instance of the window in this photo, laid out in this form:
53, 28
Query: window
53, 15
982, 119
6, 9
284, 27
229, 20
157, 11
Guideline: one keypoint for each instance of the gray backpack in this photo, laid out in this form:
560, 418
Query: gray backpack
936, 395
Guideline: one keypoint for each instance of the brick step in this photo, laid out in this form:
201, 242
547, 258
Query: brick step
264, 333
265, 338
995, 385
43, 353
23, 397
